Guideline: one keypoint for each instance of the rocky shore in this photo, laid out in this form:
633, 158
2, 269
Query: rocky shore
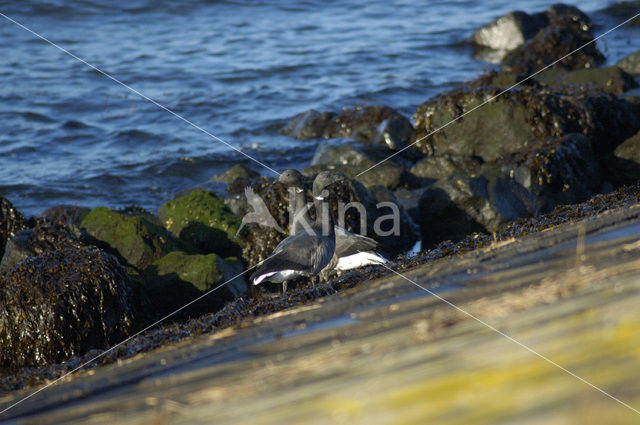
561, 146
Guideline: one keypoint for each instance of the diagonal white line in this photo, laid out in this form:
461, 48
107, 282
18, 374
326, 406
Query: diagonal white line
175, 114
132, 336
500, 94
531, 350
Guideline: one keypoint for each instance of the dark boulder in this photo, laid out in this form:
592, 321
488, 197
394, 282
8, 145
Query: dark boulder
61, 304
440, 166
631, 63
521, 119
511, 31
563, 170
45, 236
309, 125
11, 220
560, 39
611, 79
68, 215
354, 158
258, 241
456, 206
379, 125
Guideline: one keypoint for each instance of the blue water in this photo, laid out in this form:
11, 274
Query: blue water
238, 69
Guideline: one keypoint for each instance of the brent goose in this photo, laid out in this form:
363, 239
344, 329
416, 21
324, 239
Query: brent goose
305, 253
352, 250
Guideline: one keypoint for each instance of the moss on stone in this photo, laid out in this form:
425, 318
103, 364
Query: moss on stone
203, 220
178, 278
134, 238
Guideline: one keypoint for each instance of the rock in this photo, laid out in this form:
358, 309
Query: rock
440, 166
374, 220
370, 124
522, 119
623, 165
631, 63
68, 215
611, 79
43, 237
509, 31
456, 206
409, 200
135, 239
178, 278
513, 30
562, 171
352, 159
201, 219
61, 304
238, 171
563, 35
259, 241
11, 220
309, 125
396, 133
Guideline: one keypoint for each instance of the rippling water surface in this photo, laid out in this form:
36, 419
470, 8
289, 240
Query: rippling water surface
237, 69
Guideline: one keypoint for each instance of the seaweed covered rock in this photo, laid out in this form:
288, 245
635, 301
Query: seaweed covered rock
511, 31
309, 125
133, 238
178, 278
563, 170
375, 218
259, 241
45, 236
380, 124
610, 79
456, 206
522, 119
353, 159
11, 220
202, 219
61, 304
376, 214
67, 215
440, 166
564, 35
631, 63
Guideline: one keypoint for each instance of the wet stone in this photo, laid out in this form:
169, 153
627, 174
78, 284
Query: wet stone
63, 303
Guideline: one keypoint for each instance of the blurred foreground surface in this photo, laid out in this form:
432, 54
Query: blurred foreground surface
389, 352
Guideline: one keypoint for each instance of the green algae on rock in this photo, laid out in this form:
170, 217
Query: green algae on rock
134, 238
63, 303
178, 278
202, 219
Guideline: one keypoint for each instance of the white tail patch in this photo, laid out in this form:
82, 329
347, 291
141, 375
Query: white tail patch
360, 259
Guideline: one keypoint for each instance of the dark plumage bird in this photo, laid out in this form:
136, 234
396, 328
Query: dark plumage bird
352, 250
305, 253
